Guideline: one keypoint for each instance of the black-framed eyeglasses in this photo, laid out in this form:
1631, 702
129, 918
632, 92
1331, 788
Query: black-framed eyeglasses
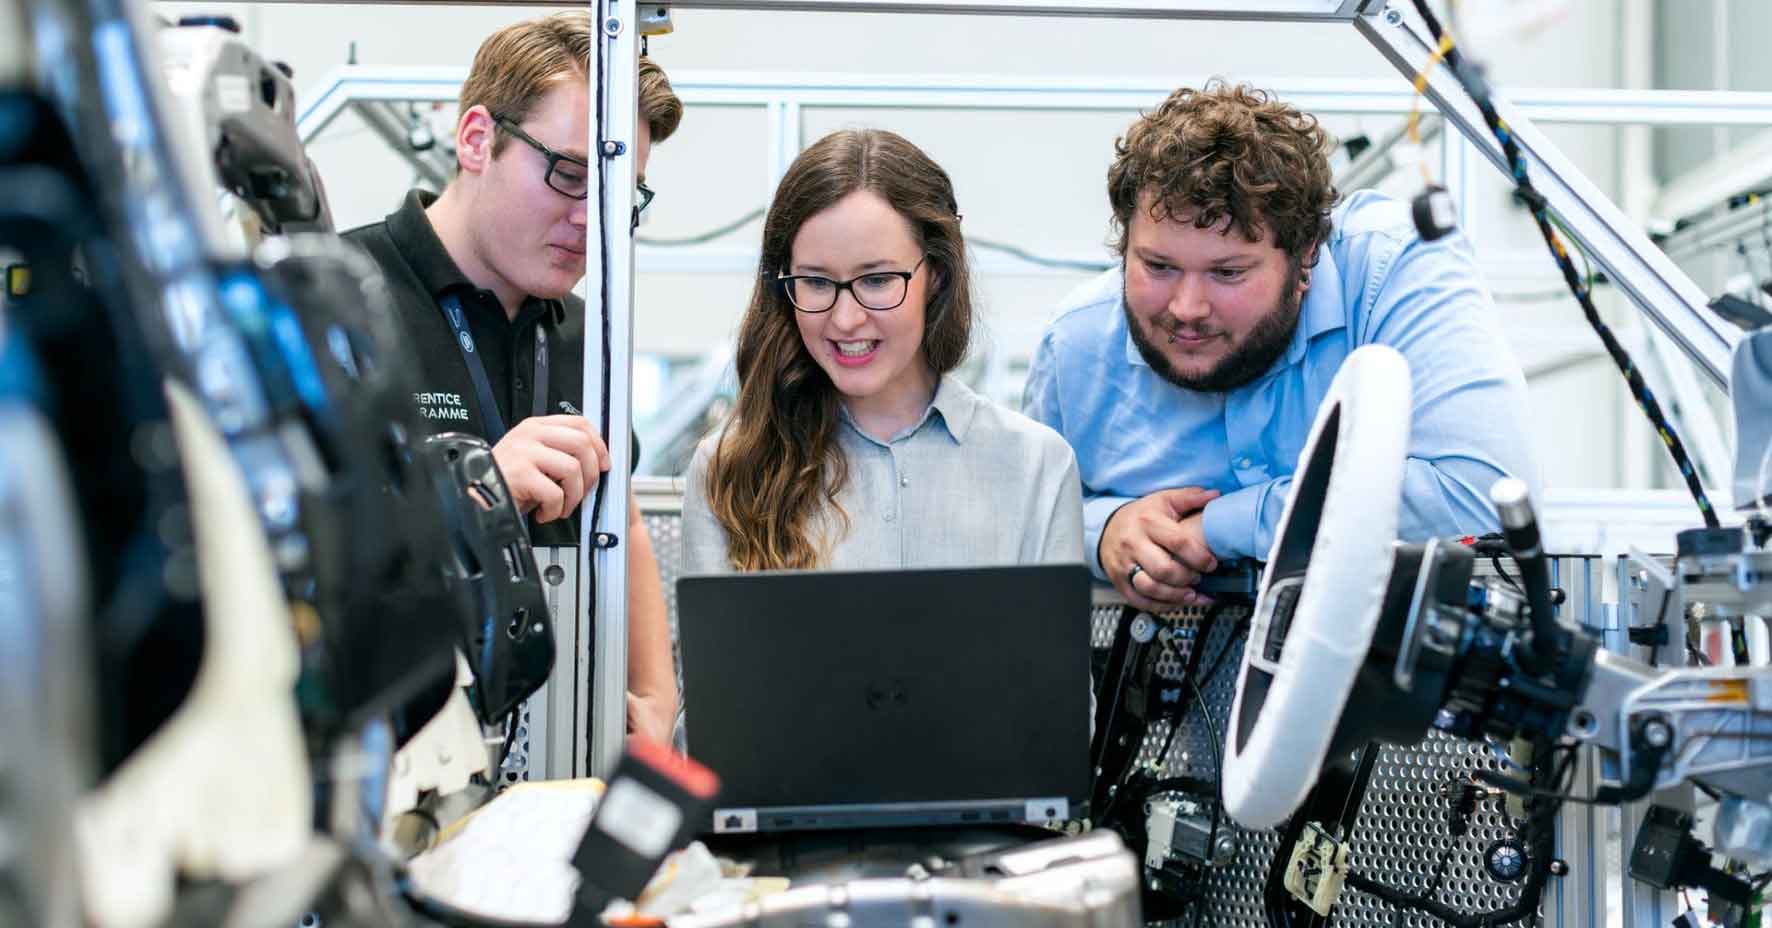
875, 290
642, 198
567, 175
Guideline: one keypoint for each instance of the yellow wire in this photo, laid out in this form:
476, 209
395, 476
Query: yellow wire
1421, 76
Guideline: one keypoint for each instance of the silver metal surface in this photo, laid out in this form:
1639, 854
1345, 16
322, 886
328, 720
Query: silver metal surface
1089, 881
1258, 10
1660, 289
434, 166
609, 278
555, 727
792, 92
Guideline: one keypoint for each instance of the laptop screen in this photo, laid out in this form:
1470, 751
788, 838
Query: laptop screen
828, 688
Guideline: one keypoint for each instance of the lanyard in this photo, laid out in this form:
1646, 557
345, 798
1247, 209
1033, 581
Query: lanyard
495, 423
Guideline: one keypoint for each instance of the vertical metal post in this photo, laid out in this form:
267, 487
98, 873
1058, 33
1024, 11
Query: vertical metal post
601, 706
1578, 900
1460, 180
784, 141
1642, 904
553, 722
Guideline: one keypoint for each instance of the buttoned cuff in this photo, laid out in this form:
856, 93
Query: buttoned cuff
1231, 523
1096, 512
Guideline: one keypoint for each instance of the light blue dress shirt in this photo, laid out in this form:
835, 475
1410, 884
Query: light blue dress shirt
1375, 282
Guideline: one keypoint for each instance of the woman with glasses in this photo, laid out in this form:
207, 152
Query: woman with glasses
852, 445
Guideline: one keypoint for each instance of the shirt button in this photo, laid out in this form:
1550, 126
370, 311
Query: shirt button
904, 481
519, 383
889, 517
1242, 463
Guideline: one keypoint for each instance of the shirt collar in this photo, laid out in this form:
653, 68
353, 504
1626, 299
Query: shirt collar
954, 406
417, 240
1321, 311
957, 404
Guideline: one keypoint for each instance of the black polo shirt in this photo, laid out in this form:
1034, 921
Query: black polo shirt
419, 273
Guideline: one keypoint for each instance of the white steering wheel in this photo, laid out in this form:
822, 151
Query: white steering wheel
1311, 630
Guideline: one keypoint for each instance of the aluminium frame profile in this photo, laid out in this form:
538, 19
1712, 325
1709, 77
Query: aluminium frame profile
1659, 288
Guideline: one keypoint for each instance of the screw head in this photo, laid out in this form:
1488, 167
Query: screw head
612, 27
1657, 734
1393, 16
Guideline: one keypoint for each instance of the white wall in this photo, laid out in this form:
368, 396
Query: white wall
1032, 179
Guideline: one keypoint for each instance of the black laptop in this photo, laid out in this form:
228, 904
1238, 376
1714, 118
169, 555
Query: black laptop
889, 698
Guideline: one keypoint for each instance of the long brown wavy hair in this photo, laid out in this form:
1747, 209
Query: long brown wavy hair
777, 462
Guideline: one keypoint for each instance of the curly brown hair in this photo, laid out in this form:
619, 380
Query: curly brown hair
777, 463
1227, 151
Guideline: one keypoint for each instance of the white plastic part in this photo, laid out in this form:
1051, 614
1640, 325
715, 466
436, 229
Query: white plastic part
222, 789
444, 755
1352, 469
1759, 640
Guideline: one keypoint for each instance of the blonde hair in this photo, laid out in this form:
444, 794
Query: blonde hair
659, 107
517, 65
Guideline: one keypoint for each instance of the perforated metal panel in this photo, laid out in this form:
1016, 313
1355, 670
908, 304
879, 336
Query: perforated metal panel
516, 764
1401, 836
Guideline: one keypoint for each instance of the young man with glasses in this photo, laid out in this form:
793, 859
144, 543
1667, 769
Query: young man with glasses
481, 279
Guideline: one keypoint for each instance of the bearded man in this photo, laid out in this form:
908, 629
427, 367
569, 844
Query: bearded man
1186, 379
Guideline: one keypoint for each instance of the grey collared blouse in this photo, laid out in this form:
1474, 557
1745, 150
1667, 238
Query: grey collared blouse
970, 484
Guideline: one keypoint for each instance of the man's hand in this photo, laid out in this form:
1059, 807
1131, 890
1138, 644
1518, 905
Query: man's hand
1161, 535
651, 718
549, 463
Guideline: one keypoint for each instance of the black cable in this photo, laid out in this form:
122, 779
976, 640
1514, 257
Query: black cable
510, 739
702, 238
1476, 87
1134, 651
1211, 669
1203, 631
1540, 819
1217, 767
1495, 562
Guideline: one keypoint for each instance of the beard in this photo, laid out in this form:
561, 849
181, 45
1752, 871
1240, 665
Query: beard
1248, 358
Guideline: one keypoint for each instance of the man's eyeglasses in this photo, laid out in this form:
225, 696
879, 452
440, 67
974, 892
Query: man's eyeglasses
566, 175
642, 198
875, 290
